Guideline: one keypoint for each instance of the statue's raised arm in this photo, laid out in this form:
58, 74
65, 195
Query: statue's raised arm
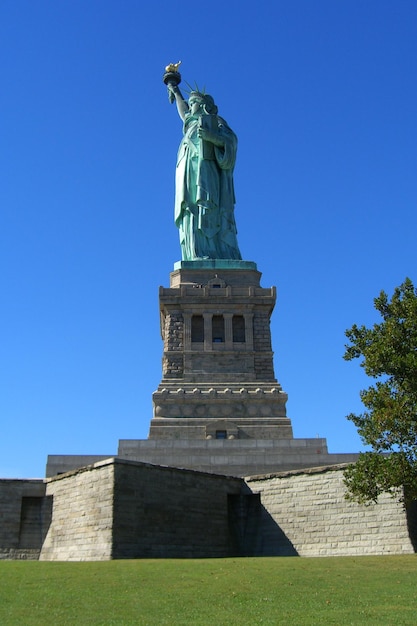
182, 105
204, 193
172, 79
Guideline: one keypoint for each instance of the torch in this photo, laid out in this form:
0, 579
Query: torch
172, 77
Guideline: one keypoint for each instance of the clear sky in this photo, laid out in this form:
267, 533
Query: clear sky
323, 97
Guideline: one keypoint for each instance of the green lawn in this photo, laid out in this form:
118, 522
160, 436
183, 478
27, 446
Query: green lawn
349, 590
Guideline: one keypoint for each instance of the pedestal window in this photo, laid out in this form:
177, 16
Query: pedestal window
218, 329
238, 325
197, 329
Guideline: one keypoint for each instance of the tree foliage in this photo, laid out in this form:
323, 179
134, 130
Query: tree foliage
389, 423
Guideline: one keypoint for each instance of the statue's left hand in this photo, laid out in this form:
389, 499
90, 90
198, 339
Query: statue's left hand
206, 135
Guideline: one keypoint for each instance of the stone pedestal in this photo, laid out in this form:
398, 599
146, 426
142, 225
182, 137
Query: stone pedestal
218, 376
219, 407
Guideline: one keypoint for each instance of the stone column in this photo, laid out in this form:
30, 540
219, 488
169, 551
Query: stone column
187, 331
249, 330
228, 331
208, 339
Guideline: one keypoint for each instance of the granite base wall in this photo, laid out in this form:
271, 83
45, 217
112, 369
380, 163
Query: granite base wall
125, 509
234, 457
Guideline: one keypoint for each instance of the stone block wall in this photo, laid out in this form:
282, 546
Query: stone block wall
173, 335
305, 512
82, 519
62, 463
264, 366
24, 518
162, 512
238, 457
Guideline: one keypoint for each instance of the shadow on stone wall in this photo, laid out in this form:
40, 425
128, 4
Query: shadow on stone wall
411, 512
274, 542
35, 519
254, 532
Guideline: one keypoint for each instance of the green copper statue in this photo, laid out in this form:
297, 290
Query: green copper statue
204, 194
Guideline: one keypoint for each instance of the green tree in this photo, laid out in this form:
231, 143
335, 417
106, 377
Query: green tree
389, 424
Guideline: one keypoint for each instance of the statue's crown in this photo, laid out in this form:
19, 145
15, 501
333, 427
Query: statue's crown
197, 95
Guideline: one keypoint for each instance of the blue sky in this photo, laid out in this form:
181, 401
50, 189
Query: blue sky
323, 98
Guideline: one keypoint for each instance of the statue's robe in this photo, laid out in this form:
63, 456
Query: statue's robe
204, 195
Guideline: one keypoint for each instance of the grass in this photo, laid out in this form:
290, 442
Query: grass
348, 590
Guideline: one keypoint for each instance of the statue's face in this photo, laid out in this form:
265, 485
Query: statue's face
196, 106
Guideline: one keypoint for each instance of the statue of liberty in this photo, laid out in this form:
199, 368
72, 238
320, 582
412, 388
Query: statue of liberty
204, 192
